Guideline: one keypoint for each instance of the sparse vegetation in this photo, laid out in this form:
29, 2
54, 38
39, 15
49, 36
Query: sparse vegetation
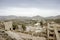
23, 26
57, 21
41, 23
15, 26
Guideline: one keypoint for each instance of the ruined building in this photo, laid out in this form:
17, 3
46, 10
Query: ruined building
8, 25
53, 31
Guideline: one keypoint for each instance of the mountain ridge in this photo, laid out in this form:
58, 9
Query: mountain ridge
25, 17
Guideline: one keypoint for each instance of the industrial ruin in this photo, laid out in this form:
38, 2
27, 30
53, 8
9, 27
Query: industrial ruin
51, 31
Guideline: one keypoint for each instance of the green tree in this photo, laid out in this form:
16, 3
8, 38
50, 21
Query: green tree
41, 23
23, 26
15, 26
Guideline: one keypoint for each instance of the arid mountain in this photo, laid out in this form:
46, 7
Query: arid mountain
53, 17
28, 18
19, 17
37, 17
7, 17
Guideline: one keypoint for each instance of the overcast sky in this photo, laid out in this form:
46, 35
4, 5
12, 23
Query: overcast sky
30, 8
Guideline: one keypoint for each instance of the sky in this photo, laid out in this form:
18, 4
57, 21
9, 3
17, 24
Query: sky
44, 8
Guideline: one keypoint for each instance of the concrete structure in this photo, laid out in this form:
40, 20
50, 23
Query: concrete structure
36, 30
50, 32
8, 25
20, 28
53, 31
57, 31
2, 26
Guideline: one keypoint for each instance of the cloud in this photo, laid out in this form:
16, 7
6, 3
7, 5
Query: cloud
28, 11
